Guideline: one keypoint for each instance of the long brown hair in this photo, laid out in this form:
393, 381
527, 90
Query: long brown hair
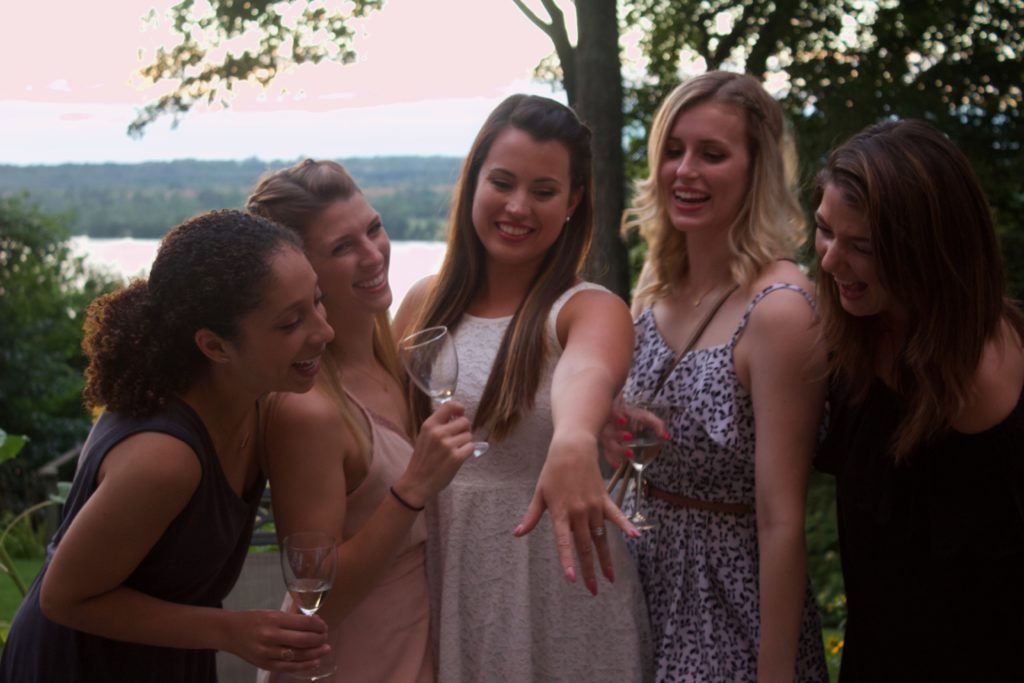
515, 374
770, 224
936, 254
294, 197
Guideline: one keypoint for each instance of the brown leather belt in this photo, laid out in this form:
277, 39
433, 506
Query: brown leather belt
694, 503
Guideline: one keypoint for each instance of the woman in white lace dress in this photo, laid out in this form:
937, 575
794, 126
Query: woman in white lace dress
541, 354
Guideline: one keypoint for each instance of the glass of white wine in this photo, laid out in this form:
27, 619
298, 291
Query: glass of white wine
309, 561
430, 358
646, 443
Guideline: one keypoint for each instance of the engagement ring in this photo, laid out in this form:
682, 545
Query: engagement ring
597, 532
287, 654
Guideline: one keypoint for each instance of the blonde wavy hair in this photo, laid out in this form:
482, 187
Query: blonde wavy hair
770, 224
294, 197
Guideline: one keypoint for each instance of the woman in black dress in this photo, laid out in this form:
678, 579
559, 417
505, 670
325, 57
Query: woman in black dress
927, 417
159, 518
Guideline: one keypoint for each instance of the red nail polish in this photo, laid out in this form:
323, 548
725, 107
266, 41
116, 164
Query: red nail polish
591, 586
621, 420
666, 436
629, 452
627, 436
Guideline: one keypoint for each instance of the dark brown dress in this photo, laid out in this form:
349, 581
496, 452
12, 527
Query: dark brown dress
195, 562
932, 548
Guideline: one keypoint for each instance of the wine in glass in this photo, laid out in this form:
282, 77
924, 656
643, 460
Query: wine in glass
646, 444
308, 562
430, 359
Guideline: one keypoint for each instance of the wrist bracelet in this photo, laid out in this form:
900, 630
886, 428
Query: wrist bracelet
404, 503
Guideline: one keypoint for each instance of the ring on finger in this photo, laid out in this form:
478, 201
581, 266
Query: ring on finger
287, 654
597, 531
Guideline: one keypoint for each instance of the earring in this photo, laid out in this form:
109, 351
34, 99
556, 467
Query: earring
567, 218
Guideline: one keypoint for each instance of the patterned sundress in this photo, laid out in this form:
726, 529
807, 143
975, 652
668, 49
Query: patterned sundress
699, 570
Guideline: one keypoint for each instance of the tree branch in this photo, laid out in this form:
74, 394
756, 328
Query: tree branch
556, 31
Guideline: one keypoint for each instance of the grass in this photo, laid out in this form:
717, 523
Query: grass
10, 598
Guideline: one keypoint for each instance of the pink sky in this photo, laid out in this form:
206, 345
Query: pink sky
428, 71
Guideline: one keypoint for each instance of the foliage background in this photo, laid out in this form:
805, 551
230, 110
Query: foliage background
44, 290
145, 200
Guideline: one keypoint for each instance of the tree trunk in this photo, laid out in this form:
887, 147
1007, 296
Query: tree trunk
599, 104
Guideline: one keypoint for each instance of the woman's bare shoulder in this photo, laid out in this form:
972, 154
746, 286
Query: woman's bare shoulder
997, 383
411, 304
786, 271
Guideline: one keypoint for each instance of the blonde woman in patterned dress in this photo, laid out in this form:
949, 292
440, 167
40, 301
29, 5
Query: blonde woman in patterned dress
725, 575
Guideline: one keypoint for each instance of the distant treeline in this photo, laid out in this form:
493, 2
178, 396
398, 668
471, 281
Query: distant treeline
144, 200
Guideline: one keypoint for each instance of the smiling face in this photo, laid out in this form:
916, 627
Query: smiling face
842, 240
278, 346
523, 197
705, 167
350, 252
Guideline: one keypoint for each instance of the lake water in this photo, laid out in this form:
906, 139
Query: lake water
129, 257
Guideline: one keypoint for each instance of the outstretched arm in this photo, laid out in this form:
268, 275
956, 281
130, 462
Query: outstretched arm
597, 335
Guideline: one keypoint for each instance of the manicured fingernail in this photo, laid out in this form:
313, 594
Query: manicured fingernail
627, 436
609, 574
666, 436
629, 453
570, 574
634, 532
621, 420
518, 531
591, 585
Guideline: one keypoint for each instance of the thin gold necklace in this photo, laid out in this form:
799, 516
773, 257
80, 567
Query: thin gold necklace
382, 383
697, 302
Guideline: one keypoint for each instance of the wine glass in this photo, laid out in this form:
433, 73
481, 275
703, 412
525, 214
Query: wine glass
308, 562
646, 444
430, 358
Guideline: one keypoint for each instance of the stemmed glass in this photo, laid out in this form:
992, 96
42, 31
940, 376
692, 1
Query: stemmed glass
646, 445
308, 562
430, 359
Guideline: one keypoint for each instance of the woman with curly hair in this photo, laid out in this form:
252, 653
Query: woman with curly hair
159, 518
726, 335
927, 411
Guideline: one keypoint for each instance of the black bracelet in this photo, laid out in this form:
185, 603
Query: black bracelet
404, 503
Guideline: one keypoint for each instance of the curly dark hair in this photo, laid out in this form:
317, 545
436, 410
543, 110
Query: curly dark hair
209, 272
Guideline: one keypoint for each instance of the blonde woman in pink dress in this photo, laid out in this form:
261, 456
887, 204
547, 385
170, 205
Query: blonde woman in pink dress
340, 459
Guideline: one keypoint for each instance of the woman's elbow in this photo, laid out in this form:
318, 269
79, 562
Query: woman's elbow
55, 604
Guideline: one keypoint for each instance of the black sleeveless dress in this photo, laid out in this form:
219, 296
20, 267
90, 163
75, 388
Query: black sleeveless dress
932, 548
195, 562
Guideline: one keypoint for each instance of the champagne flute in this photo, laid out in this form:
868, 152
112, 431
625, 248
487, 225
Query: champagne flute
646, 444
308, 562
430, 358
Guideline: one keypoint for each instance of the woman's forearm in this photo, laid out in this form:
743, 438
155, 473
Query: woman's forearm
782, 584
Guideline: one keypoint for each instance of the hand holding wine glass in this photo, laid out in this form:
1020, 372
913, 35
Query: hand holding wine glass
645, 423
430, 358
308, 562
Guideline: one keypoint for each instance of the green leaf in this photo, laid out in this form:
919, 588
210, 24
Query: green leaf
10, 444
63, 489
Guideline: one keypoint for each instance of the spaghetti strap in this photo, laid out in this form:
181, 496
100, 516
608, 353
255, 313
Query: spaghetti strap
774, 287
